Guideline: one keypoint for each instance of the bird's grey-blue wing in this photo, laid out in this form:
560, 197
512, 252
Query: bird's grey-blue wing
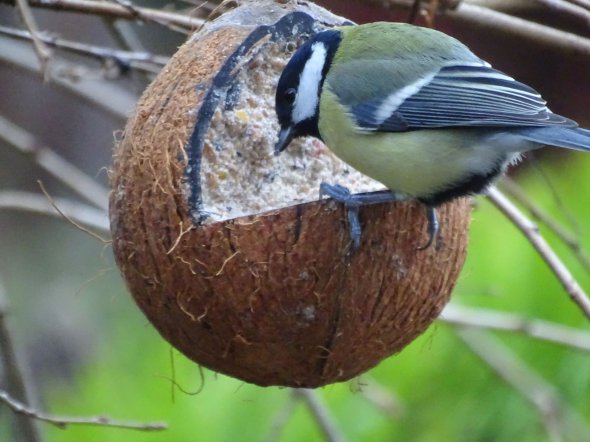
457, 95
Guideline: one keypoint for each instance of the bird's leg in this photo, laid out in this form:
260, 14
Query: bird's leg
433, 227
353, 202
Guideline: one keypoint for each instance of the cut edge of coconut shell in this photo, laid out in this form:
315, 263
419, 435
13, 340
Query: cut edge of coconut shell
272, 298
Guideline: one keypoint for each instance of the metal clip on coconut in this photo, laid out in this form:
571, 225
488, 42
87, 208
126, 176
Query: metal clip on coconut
226, 247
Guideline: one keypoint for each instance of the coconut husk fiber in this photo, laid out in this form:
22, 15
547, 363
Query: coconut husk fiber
226, 248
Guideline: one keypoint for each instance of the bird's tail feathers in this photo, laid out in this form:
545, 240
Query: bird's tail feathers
569, 137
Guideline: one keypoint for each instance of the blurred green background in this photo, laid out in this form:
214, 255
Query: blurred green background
89, 351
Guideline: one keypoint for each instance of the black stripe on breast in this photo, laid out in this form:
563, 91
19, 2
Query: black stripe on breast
472, 185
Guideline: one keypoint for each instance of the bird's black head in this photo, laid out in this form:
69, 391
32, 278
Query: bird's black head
298, 91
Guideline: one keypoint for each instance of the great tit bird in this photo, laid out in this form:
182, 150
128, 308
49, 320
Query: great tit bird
414, 109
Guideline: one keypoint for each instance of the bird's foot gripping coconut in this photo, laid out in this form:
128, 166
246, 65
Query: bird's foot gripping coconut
225, 247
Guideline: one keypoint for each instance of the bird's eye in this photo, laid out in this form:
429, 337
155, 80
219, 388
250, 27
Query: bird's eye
289, 95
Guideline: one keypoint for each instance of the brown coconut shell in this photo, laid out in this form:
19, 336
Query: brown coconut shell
273, 298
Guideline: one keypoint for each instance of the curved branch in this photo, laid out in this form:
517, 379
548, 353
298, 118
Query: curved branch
531, 231
63, 422
487, 18
170, 19
39, 204
54, 164
460, 315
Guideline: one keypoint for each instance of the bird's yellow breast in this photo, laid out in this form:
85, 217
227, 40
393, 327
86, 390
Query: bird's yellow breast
418, 163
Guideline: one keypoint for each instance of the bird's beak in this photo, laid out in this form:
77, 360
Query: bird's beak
285, 137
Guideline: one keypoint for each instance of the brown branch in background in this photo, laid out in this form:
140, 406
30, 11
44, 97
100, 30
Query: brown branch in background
125, 34
558, 417
170, 19
542, 35
566, 9
454, 314
583, 3
63, 422
414, 11
321, 414
486, 18
39, 204
563, 7
137, 13
42, 51
135, 60
55, 165
514, 191
530, 230
13, 376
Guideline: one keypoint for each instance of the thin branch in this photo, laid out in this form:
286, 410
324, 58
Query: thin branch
125, 34
515, 192
562, 7
13, 374
321, 414
138, 14
485, 318
381, 398
98, 92
583, 3
42, 51
187, 24
54, 164
31, 202
566, 9
541, 35
71, 220
143, 61
555, 414
531, 231
279, 422
63, 422
486, 18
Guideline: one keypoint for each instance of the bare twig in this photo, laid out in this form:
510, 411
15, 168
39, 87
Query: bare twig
530, 230
143, 61
68, 218
125, 34
109, 9
138, 14
515, 192
555, 414
562, 7
382, 398
63, 422
583, 3
485, 318
42, 51
279, 422
565, 8
542, 35
13, 375
31, 202
486, 18
98, 92
321, 414
54, 164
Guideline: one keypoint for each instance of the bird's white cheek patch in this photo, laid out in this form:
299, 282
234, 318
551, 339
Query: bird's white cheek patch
307, 98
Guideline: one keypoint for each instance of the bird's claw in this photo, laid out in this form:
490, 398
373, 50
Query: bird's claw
353, 202
342, 195
433, 227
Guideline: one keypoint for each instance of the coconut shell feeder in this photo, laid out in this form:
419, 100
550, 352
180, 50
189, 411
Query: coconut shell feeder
227, 249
